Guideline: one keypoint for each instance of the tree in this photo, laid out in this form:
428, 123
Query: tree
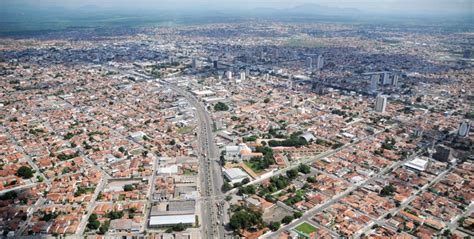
172, 142
287, 219
311, 179
266, 100
93, 225
303, 168
104, 227
128, 188
274, 226
247, 190
178, 227
220, 106
24, 172
8, 196
114, 215
297, 214
387, 190
244, 218
292, 173
226, 187
93, 217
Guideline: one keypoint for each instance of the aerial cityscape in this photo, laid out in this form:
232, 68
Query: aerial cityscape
284, 121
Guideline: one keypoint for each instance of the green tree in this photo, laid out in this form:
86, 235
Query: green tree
220, 106
292, 173
274, 226
24, 172
287, 219
226, 187
303, 168
128, 188
244, 218
93, 225
387, 190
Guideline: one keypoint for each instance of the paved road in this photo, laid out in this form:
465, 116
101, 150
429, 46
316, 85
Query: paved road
210, 173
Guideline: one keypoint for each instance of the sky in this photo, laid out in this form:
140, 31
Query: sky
433, 6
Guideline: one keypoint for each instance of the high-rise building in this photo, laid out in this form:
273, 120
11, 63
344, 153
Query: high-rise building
310, 62
380, 103
464, 128
214, 63
194, 63
395, 79
247, 71
229, 75
386, 78
443, 153
320, 62
242, 75
171, 59
293, 101
374, 82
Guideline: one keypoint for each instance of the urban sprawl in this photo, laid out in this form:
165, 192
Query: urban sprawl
238, 130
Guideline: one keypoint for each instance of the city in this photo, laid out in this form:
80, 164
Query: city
245, 129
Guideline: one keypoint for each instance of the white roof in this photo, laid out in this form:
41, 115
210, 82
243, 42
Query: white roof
232, 148
308, 136
172, 219
418, 164
234, 173
203, 92
173, 169
137, 134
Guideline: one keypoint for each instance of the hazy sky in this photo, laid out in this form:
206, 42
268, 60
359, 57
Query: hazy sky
368, 5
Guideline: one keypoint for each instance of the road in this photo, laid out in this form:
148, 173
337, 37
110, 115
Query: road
210, 173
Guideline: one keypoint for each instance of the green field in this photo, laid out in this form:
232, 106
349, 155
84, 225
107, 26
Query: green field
253, 166
185, 130
305, 228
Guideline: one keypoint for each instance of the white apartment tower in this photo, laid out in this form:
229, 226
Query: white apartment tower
380, 103
320, 62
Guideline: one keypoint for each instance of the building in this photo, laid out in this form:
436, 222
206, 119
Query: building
171, 220
293, 101
235, 175
242, 75
194, 63
124, 225
386, 78
395, 79
214, 64
229, 75
310, 62
139, 135
418, 164
380, 103
464, 127
443, 153
309, 137
374, 82
320, 62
